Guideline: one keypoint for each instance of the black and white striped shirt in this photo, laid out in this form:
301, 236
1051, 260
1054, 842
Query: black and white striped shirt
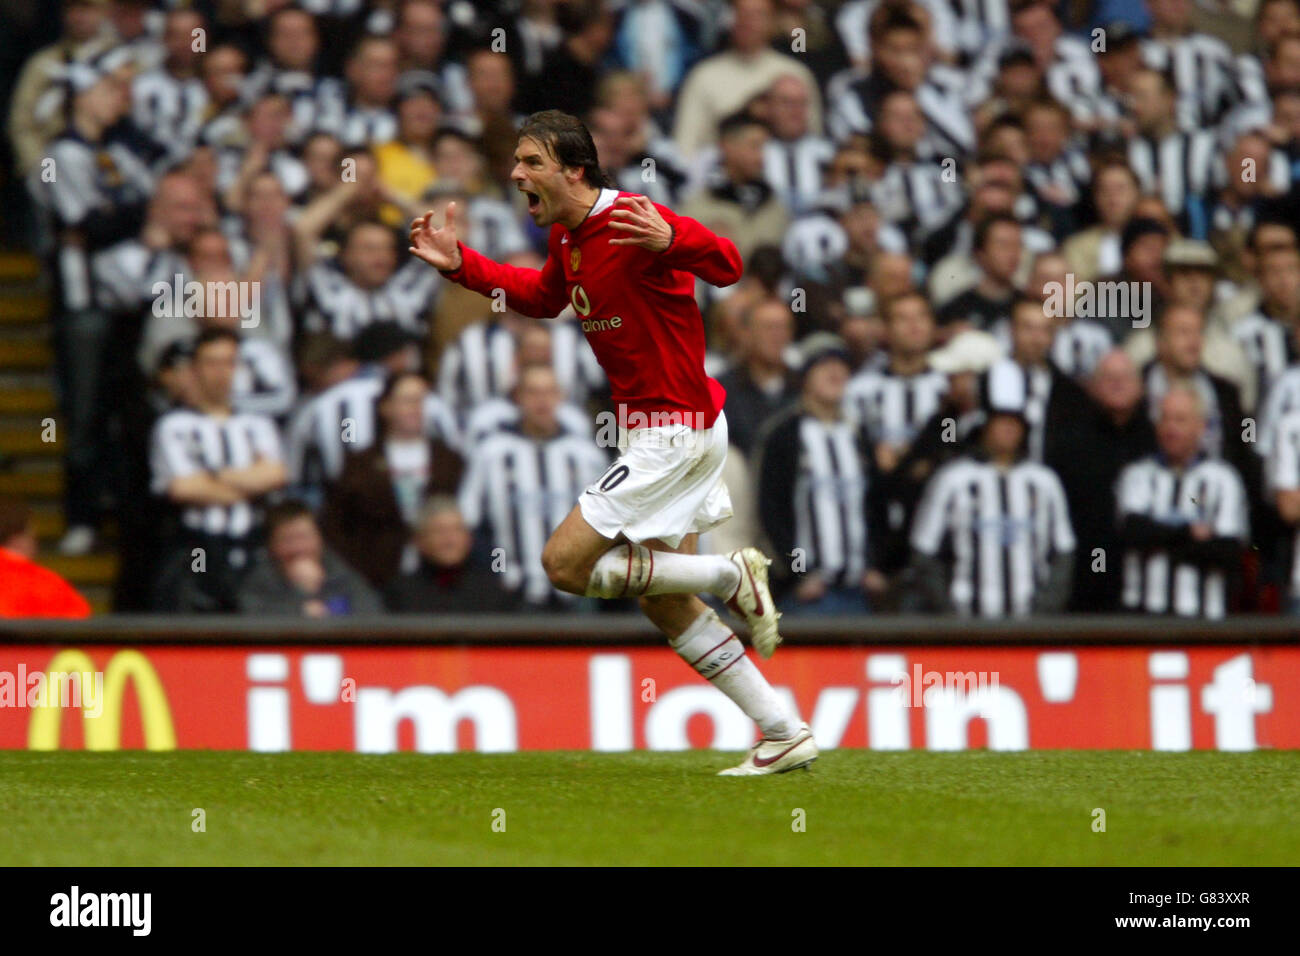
480, 364
794, 170
1282, 398
520, 489
264, 382
830, 488
186, 442
1283, 474
917, 197
1204, 75
1079, 346
342, 419
309, 96
501, 414
331, 302
1156, 384
1180, 169
1211, 492
100, 181
1001, 529
171, 110
890, 407
1268, 346
949, 129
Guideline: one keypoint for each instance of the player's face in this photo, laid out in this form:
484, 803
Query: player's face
541, 179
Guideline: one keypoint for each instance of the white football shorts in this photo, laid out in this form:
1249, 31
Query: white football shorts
667, 483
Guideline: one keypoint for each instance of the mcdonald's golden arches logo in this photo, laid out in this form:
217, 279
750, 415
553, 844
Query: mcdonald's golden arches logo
104, 732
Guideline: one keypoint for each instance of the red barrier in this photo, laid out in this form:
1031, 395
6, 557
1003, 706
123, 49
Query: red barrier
439, 699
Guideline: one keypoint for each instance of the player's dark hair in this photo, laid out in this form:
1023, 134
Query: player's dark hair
569, 141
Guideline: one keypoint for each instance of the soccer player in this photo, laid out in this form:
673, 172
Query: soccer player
628, 267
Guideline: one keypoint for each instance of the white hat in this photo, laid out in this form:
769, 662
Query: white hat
968, 351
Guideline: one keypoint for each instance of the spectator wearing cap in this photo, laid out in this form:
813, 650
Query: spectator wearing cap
721, 84
1184, 518
1191, 272
1115, 432
342, 417
736, 201
992, 536
405, 163
761, 383
26, 588
371, 510
447, 579
297, 575
812, 468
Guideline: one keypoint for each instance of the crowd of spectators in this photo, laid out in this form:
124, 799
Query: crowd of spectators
1019, 328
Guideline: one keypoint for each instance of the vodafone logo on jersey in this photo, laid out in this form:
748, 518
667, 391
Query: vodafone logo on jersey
582, 305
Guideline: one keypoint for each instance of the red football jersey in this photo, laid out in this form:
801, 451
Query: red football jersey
637, 307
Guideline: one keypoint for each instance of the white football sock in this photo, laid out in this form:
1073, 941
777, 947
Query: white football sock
631, 570
711, 648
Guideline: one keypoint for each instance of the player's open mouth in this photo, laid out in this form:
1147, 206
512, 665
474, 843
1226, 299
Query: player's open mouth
534, 202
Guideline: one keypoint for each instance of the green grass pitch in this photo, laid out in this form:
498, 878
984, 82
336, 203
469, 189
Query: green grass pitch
859, 808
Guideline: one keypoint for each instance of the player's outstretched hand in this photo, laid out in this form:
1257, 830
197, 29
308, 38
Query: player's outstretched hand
638, 217
438, 247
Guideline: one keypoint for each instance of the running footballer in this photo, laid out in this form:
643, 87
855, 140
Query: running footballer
628, 266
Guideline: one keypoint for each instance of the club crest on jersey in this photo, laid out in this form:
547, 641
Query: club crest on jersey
575, 259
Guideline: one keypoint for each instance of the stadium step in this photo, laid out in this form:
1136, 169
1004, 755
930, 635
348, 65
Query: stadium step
84, 569
19, 267
24, 308
28, 441
25, 354
34, 401
32, 486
